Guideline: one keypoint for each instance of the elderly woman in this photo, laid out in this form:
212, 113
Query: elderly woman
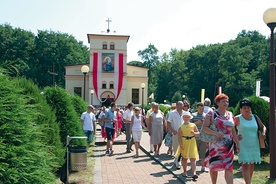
247, 126
157, 124
220, 153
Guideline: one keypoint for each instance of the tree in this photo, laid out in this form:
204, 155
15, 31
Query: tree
177, 97
149, 56
150, 60
58, 49
16, 48
24, 54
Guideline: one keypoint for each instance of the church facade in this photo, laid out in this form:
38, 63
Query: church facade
110, 78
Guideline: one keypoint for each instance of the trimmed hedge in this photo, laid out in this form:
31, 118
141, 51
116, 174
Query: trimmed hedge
23, 157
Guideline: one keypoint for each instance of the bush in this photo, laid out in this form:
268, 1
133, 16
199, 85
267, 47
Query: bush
79, 105
23, 157
67, 118
46, 120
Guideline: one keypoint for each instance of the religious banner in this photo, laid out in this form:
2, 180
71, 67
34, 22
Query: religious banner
108, 62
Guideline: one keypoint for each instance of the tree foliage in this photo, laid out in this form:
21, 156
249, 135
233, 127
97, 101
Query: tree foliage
235, 65
24, 54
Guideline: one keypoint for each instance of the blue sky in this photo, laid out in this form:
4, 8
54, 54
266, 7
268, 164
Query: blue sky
180, 24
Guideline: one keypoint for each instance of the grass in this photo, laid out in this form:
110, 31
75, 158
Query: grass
84, 176
261, 172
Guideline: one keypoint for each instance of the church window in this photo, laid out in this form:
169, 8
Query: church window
104, 85
135, 96
111, 85
104, 45
112, 46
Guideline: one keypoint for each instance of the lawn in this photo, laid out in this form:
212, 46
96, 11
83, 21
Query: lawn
261, 171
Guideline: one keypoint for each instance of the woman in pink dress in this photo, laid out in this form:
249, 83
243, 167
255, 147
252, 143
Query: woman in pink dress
102, 123
119, 121
220, 153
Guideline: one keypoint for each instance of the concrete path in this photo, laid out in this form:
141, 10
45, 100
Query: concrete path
122, 167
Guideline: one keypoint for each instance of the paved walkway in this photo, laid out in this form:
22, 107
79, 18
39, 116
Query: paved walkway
122, 167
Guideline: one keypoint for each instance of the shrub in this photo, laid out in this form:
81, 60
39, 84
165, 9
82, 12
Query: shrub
66, 117
23, 157
46, 120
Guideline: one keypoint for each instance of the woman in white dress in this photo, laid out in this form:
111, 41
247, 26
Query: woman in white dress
136, 128
157, 123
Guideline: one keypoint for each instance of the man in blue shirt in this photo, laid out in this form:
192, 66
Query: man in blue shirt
110, 125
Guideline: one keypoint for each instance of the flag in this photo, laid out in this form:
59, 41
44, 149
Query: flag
118, 73
219, 90
151, 96
202, 95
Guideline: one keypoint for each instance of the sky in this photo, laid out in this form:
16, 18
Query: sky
167, 24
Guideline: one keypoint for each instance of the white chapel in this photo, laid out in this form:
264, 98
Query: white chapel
110, 78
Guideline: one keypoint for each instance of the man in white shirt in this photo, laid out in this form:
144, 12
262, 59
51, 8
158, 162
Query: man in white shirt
127, 120
174, 121
88, 121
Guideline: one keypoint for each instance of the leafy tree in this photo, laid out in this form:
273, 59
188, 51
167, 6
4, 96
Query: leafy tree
149, 56
16, 49
177, 96
24, 54
151, 60
58, 49
23, 157
136, 63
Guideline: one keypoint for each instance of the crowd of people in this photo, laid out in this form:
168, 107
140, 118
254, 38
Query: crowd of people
181, 131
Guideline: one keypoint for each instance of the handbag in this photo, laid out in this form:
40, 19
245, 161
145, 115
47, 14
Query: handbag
207, 137
262, 141
168, 139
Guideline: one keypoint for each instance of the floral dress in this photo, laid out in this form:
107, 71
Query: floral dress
220, 154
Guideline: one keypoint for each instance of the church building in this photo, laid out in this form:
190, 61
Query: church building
109, 77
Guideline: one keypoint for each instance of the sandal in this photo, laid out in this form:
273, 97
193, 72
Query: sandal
195, 176
185, 175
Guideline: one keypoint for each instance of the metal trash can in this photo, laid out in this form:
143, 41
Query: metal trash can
78, 158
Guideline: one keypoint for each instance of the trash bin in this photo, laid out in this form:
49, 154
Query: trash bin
78, 158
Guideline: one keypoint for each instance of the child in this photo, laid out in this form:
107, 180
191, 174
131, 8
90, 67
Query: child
187, 148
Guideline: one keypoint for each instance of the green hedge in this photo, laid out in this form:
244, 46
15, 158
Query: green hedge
24, 158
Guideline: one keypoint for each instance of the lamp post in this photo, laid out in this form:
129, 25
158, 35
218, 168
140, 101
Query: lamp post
84, 70
269, 18
92, 93
143, 85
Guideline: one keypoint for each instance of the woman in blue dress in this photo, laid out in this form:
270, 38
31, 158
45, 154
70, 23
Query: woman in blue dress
247, 126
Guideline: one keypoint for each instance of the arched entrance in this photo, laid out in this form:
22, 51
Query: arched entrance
107, 98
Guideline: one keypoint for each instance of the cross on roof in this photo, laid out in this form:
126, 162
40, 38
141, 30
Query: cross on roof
108, 20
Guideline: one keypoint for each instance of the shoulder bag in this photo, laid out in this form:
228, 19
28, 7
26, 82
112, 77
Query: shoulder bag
207, 137
262, 141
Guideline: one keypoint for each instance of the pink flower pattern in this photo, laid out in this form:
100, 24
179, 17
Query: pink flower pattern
220, 154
